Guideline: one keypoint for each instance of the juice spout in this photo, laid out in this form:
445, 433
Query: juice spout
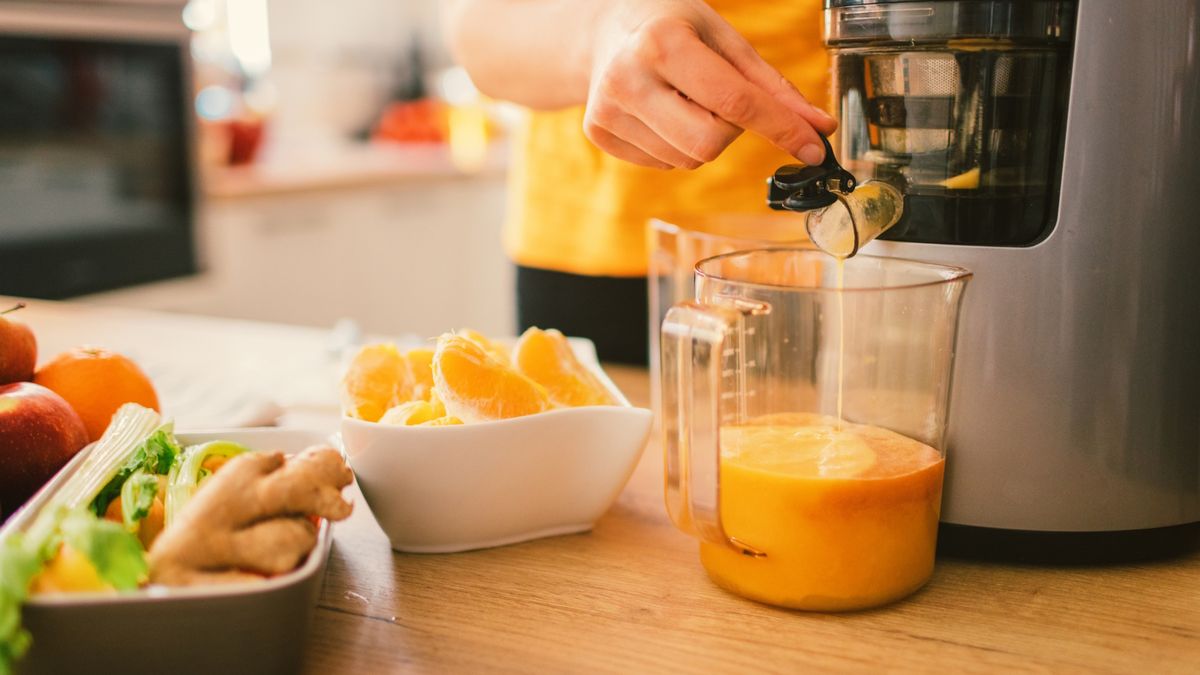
796, 187
845, 226
841, 216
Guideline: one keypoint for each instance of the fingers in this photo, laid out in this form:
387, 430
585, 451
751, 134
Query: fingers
610, 126
746, 60
621, 149
637, 116
668, 99
708, 79
629, 129
694, 131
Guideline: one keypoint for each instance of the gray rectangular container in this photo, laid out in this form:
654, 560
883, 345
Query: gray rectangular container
257, 627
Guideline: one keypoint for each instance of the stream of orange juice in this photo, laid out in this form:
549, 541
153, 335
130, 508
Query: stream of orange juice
846, 514
841, 367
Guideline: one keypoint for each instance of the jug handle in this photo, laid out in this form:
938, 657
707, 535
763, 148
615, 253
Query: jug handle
694, 342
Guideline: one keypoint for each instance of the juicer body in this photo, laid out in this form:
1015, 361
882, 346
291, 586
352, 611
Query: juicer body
1076, 397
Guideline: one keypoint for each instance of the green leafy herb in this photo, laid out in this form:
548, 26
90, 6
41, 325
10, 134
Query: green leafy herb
137, 496
187, 473
161, 450
154, 455
18, 565
22, 556
116, 554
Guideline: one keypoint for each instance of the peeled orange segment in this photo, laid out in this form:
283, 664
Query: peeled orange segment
968, 180
410, 413
420, 368
817, 451
378, 379
445, 421
494, 349
476, 387
439, 408
546, 357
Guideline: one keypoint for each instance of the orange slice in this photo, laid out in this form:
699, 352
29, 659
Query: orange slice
420, 367
445, 421
378, 379
474, 386
439, 408
410, 413
494, 349
546, 357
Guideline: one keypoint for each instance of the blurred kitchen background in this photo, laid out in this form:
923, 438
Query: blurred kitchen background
300, 161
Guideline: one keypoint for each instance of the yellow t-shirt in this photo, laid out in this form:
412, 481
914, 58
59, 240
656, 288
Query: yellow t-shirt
574, 208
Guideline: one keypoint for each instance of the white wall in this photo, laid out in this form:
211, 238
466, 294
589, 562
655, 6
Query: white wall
334, 64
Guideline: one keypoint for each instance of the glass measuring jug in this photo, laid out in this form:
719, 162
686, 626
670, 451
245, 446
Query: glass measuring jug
804, 422
674, 248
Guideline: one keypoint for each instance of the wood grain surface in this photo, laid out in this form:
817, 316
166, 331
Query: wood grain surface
630, 596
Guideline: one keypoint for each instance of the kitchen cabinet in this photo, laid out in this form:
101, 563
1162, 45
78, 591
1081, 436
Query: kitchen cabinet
411, 253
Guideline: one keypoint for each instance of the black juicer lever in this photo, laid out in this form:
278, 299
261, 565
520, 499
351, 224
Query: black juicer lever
796, 187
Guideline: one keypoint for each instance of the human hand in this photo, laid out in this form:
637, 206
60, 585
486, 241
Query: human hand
673, 84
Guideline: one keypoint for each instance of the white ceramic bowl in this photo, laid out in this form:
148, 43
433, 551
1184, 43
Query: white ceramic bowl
462, 487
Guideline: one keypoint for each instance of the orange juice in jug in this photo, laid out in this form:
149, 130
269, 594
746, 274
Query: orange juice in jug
846, 514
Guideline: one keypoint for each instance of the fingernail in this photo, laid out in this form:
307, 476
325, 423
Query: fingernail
826, 115
811, 154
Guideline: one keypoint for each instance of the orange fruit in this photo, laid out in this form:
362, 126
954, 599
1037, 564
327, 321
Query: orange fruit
69, 572
546, 357
475, 386
378, 378
96, 382
420, 367
494, 349
445, 421
413, 412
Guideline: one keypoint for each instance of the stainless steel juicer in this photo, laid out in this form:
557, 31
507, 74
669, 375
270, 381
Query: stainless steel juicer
1052, 147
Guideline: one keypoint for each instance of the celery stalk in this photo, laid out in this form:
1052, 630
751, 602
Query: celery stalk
189, 470
23, 554
130, 427
137, 498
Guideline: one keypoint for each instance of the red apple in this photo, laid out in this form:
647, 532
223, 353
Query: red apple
39, 433
18, 349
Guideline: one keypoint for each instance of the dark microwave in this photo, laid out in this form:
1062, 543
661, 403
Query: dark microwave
96, 156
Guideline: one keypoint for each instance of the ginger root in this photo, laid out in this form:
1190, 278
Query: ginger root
251, 518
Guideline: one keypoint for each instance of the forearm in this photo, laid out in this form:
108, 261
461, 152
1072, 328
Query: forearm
534, 52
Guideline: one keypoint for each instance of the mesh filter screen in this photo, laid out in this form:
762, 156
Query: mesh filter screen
914, 74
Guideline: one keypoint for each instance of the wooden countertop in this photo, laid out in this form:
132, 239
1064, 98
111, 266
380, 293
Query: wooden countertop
631, 597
